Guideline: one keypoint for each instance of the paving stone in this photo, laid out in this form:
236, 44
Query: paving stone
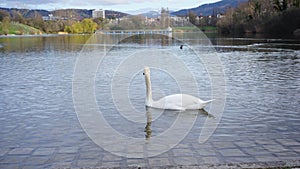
61, 165
210, 160
64, 158
266, 158
239, 160
245, 143
3, 151
164, 155
274, 148
137, 163
21, 151
68, 150
288, 142
36, 160
88, 147
265, 142
220, 138
10, 166
90, 155
111, 164
183, 152
185, 161
207, 152
159, 162
30, 166
232, 152
255, 151
43, 151
296, 149
13, 159
110, 157
223, 145
87, 163
182, 146
286, 155
202, 146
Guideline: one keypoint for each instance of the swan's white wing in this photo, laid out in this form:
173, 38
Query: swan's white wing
179, 102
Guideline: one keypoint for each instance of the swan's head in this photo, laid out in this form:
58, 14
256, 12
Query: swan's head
146, 71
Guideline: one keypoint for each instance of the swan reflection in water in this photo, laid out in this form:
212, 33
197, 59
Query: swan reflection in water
149, 111
148, 130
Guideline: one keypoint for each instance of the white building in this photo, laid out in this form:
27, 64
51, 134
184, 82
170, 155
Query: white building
48, 18
98, 13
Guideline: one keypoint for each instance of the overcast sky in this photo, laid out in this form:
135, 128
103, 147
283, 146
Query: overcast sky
118, 5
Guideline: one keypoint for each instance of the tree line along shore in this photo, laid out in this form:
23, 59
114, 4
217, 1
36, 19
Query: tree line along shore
269, 17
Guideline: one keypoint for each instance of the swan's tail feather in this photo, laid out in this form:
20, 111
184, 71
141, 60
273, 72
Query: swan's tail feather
207, 102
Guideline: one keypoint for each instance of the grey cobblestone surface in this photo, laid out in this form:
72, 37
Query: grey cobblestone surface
63, 144
211, 153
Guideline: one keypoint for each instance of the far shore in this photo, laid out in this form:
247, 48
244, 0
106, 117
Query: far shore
39, 35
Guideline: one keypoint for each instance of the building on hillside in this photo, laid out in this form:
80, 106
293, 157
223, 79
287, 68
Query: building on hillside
165, 18
48, 18
98, 13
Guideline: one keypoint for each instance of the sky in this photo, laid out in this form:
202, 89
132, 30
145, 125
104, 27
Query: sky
117, 5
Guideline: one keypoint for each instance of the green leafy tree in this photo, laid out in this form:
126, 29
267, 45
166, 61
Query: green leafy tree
100, 22
36, 21
5, 25
88, 26
68, 29
137, 21
192, 17
296, 3
280, 5
256, 7
3, 14
18, 17
77, 28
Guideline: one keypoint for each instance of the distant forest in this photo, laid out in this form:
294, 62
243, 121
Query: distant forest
270, 17
70, 20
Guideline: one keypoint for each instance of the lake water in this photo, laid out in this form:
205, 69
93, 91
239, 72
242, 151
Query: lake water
50, 84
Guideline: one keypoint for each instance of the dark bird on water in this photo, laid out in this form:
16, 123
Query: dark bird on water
181, 46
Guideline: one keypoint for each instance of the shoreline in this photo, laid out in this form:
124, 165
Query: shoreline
40, 35
284, 164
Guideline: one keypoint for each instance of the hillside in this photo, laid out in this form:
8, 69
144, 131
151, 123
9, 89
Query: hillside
18, 29
63, 13
209, 9
27, 13
151, 14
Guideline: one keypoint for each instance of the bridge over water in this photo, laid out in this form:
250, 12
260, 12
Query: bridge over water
167, 31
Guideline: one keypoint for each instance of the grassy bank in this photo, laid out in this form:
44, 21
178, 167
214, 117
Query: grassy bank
185, 29
209, 29
17, 29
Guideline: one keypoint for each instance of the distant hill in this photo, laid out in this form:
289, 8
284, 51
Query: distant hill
64, 13
27, 13
151, 14
114, 14
208, 9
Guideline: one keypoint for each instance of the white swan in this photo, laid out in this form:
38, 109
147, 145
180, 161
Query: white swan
172, 102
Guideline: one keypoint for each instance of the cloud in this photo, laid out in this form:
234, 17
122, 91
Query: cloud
110, 2
121, 5
61, 3
26, 2
98, 3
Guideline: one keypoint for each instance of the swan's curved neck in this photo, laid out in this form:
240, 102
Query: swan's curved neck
148, 89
